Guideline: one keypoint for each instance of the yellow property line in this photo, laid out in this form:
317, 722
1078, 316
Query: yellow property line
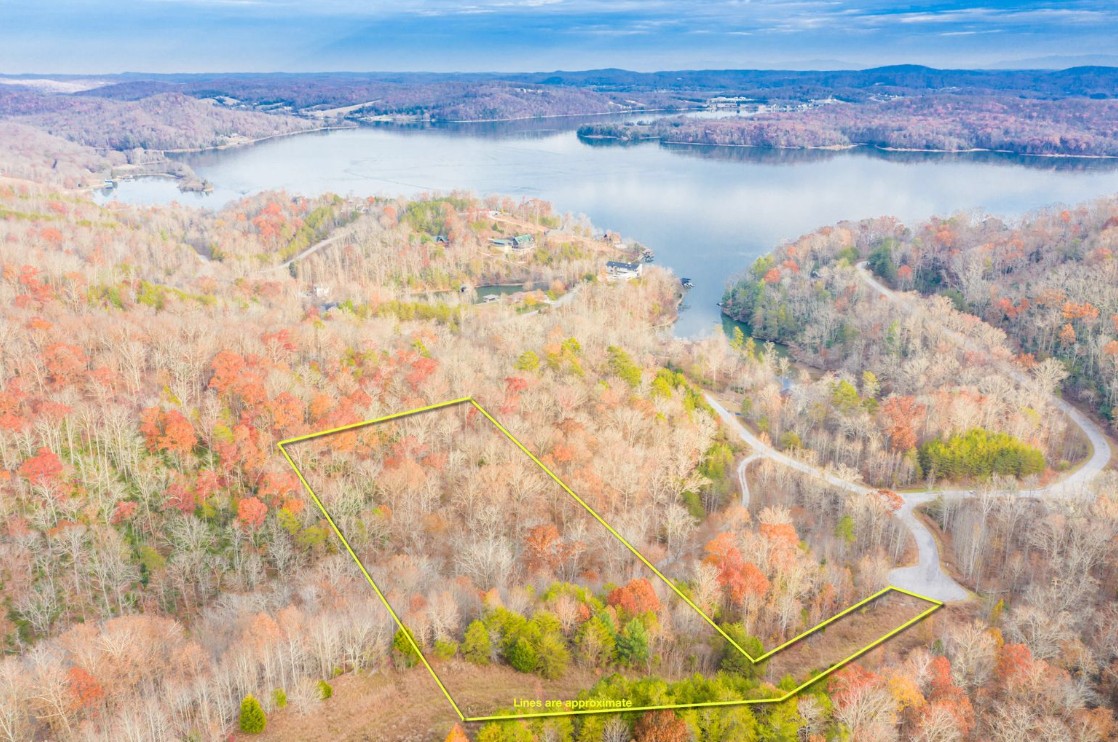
935, 604
750, 702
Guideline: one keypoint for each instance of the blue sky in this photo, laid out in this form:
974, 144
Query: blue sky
99, 36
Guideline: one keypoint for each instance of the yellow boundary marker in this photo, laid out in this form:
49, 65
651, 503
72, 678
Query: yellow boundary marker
935, 604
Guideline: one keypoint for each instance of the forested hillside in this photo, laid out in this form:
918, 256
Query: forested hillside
164, 575
1048, 282
159, 122
902, 400
160, 561
891, 389
925, 121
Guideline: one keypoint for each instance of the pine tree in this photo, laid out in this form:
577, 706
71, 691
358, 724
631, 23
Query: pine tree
632, 644
253, 719
476, 647
553, 656
523, 656
405, 648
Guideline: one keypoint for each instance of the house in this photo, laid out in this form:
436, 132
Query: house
624, 271
519, 242
316, 292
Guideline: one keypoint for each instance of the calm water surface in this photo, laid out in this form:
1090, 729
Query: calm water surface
706, 212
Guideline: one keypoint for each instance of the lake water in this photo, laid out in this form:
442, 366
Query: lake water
706, 212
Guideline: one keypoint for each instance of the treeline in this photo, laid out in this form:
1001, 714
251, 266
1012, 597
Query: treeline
618, 630
935, 122
431, 96
308, 90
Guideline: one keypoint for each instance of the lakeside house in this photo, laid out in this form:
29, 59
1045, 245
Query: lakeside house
624, 271
518, 243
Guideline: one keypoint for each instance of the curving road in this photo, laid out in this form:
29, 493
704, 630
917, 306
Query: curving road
927, 576
1075, 483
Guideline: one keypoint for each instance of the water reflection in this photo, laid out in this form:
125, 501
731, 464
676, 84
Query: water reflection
775, 155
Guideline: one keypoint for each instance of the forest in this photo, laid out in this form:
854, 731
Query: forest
160, 122
165, 575
924, 121
893, 396
1037, 564
160, 563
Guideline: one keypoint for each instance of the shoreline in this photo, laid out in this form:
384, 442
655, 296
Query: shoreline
841, 147
565, 116
246, 142
650, 138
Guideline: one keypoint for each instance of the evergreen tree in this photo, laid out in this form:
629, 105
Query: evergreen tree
623, 365
737, 339
844, 529
733, 660
595, 642
505, 731
553, 656
405, 648
477, 647
522, 656
632, 643
882, 263
253, 719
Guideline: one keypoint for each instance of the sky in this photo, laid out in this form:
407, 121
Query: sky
106, 36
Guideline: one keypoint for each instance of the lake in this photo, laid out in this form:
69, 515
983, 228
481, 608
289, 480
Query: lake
706, 212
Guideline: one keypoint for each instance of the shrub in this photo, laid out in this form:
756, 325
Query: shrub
279, 698
325, 690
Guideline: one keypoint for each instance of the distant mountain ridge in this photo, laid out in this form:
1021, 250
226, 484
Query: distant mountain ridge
1085, 80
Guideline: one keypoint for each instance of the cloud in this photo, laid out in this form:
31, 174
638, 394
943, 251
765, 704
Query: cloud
103, 35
